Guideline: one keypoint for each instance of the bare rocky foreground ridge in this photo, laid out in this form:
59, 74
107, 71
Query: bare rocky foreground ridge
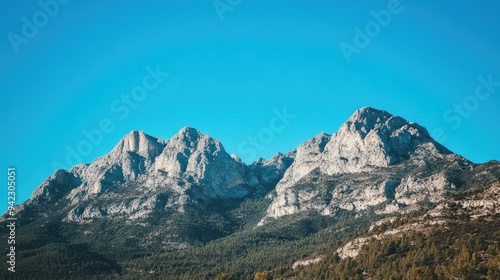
475, 205
150, 194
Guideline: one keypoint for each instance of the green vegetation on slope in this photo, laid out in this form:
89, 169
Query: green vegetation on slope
464, 249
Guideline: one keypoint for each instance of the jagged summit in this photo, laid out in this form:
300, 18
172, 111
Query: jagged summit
139, 142
189, 134
369, 138
193, 152
365, 120
368, 119
188, 129
372, 137
369, 141
146, 145
369, 113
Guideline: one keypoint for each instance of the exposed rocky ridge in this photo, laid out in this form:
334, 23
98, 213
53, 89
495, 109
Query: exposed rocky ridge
375, 159
133, 155
144, 174
482, 202
269, 172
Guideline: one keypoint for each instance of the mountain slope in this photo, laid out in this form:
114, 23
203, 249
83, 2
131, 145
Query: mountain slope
457, 239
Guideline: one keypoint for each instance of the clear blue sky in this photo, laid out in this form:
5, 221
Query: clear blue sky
228, 77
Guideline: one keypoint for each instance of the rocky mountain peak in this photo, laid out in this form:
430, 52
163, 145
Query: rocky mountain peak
190, 140
369, 113
369, 142
140, 143
369, 138
376, 138
201, 160
367, 119
189, 135
190, 151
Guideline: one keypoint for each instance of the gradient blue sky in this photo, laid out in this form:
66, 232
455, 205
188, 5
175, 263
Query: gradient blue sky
227, 77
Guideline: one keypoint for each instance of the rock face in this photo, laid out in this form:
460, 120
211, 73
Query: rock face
200, 159
374, 138
54, 187
144, 174
132, 156
375, 159
269, 172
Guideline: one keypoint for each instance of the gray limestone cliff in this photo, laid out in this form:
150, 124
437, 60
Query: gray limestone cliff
375, 160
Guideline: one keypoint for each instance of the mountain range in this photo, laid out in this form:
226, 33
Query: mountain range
184, 208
